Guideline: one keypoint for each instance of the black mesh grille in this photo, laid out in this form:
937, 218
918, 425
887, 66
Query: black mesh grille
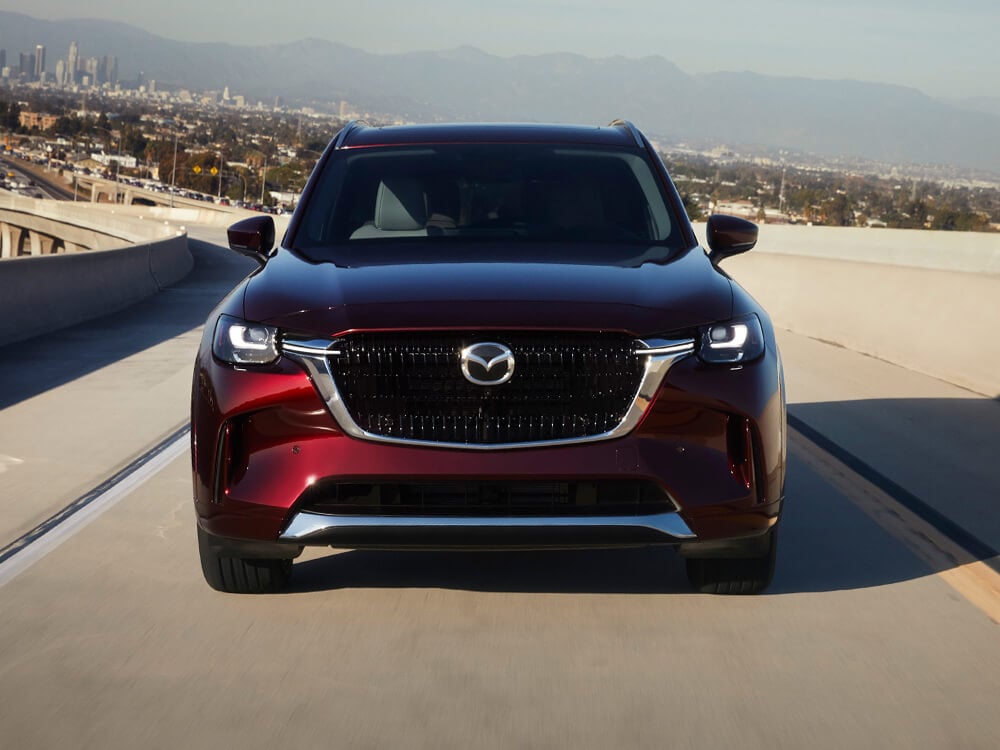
411, 387
517, 498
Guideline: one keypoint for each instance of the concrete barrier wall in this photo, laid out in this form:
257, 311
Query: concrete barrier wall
206, 217
41, 294
64, 216
929, 301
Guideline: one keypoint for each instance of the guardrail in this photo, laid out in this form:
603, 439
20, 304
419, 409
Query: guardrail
84, 261
928, 301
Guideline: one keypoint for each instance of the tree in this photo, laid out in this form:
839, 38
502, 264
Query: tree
133, 141
950, 220
692, 207
10, 115
837, 211
69, 126
289, 177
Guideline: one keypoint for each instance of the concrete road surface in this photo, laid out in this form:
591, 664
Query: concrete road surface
877, 632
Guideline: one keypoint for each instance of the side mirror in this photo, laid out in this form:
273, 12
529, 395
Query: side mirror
728, 236
253, 237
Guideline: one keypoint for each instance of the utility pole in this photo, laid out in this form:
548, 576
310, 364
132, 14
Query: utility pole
219, 196
263, 181
118, 164
781, 193
173, 174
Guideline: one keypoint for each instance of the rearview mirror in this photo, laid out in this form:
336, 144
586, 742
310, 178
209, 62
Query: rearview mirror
728, 236
253, 237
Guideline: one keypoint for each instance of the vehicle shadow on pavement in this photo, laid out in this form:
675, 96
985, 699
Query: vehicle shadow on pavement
935, 457
828, 543
63, 356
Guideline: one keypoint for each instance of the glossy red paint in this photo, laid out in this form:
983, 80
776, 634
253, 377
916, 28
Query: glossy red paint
286, 440
712, 439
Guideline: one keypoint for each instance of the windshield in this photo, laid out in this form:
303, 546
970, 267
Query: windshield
470, 193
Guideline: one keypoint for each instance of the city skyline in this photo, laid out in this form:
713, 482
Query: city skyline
67, 70
942, 51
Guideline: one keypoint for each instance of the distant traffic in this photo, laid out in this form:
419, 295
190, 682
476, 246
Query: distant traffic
14, 179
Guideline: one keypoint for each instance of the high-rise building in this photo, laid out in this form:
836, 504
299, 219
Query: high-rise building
91, 67
60, 72
3, 58
39, 60
110, 69
72, 63
27, 66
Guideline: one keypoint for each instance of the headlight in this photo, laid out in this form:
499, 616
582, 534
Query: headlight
736, 341
240, 342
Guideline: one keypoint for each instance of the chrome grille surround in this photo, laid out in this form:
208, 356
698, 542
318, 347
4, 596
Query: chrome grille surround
319, 357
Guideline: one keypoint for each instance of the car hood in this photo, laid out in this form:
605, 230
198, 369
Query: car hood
326, 299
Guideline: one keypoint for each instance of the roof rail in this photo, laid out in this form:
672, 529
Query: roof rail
346, 131
625, 124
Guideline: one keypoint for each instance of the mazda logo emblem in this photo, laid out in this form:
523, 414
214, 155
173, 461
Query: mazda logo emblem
487, 363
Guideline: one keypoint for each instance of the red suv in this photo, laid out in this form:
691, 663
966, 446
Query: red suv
488, 336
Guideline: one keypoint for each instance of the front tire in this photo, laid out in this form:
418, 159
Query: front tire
734, 575
239, 575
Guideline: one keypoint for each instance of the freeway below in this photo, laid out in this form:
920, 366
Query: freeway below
880, 629
47, 183
38, 183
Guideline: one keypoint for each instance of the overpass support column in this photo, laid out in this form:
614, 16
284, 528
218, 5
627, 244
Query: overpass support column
6, 241
18, 236
35, 239
49, 245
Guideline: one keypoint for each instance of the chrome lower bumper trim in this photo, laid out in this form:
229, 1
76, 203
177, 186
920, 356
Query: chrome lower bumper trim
314, 526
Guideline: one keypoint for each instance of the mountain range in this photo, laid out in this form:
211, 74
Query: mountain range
874, 121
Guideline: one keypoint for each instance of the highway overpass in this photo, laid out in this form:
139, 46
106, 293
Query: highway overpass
880, 629
68, 186
111, 256
116, 191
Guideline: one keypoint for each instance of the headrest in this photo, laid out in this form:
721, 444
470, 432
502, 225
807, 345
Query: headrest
400, 204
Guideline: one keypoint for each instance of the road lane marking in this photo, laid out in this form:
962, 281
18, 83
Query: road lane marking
973, 573
31, 547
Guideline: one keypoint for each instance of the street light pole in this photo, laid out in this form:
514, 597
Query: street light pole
243, 179
219, 196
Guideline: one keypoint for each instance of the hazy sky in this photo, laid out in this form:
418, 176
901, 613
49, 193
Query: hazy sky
943, 47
